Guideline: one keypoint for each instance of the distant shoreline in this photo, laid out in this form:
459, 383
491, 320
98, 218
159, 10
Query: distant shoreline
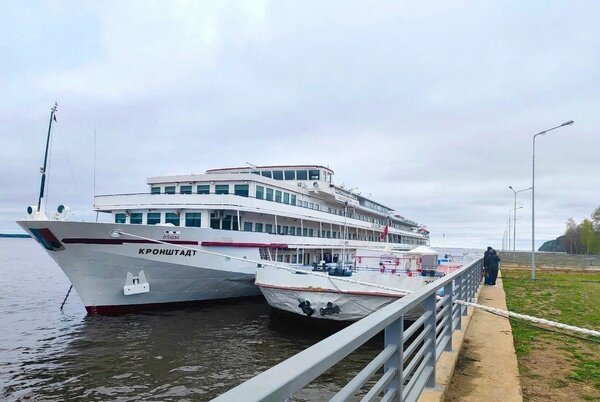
18, 236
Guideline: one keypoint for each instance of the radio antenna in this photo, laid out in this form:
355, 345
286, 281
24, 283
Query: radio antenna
43, 168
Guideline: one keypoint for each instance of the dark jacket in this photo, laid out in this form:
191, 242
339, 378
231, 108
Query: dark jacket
494, 260
486, 258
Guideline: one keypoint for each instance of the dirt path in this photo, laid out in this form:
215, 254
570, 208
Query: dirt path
487, 365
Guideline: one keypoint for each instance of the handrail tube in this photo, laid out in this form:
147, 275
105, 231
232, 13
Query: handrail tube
417, 324
430, 305
414, 344
418, 377
448, 291
440, 326
389, 395
380, 385
363, 376
408, 371
441, 301
414, 390
440, 346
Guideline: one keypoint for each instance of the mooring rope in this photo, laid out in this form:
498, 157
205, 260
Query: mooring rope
504, 313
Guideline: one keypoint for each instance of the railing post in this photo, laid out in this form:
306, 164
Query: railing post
463, 292
450, 324
456, 296
394, 335
430, 305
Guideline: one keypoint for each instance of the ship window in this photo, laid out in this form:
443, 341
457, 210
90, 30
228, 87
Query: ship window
247, 226
266, 173
278, 229
203, 189
317, 207
241, 190
256, 172
269, 196
305, 232
136, 217
301, 175
290, 174
286, 198
312, 206
234, 223
120, 218
154, 190
328, 234
268, 228
285, 230
305, 204
215, 223
294, 259
226, 223
293, 199
292, 231
311, 233
185, 190
277, 196
170, 190
172, 217
278, 174
334, 235
313, 174
153, 218
222, 189
258, 227
260, 192
192, 219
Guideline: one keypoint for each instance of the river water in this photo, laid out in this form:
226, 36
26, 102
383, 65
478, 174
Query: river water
190, 354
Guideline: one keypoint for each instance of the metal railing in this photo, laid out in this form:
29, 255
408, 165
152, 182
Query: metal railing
409, 353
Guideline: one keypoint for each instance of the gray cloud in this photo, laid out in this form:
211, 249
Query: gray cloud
429, 107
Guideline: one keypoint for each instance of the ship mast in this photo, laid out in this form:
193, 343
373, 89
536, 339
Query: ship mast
43, 169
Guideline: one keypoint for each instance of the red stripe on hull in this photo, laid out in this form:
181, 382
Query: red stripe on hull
138, 308
323, 290
253, 245
122, 241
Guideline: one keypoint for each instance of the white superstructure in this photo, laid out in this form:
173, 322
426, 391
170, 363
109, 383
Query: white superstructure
152, 251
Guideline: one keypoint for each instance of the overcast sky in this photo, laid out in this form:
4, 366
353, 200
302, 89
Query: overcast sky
429, 106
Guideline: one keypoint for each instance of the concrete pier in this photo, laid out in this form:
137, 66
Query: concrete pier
482, 365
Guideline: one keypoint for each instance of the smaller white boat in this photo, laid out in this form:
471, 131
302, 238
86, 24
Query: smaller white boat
346, 292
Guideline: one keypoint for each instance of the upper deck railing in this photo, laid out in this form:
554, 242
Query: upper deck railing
408, 356
111, 202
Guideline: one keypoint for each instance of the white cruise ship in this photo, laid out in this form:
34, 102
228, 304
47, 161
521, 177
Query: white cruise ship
201, 237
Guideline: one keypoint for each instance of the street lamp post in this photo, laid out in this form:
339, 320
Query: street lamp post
567, 123
515, 216
514, 211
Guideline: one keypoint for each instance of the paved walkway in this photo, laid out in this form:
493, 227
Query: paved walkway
483, 363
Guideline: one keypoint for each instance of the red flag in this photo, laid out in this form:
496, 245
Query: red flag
384, 233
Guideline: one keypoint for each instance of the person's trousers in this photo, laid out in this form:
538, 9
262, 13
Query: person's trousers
492, 276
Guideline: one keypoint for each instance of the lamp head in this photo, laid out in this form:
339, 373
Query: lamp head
567, 123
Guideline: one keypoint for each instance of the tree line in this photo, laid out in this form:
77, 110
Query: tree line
582, 238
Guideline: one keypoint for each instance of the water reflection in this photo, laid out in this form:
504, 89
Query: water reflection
191, 354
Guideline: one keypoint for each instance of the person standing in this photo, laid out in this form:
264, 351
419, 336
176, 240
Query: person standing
494, 266
486, 264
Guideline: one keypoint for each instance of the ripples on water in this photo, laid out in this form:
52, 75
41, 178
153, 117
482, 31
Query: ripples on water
189, 354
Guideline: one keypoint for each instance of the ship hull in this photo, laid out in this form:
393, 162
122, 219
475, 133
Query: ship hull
177, 270
334, 298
